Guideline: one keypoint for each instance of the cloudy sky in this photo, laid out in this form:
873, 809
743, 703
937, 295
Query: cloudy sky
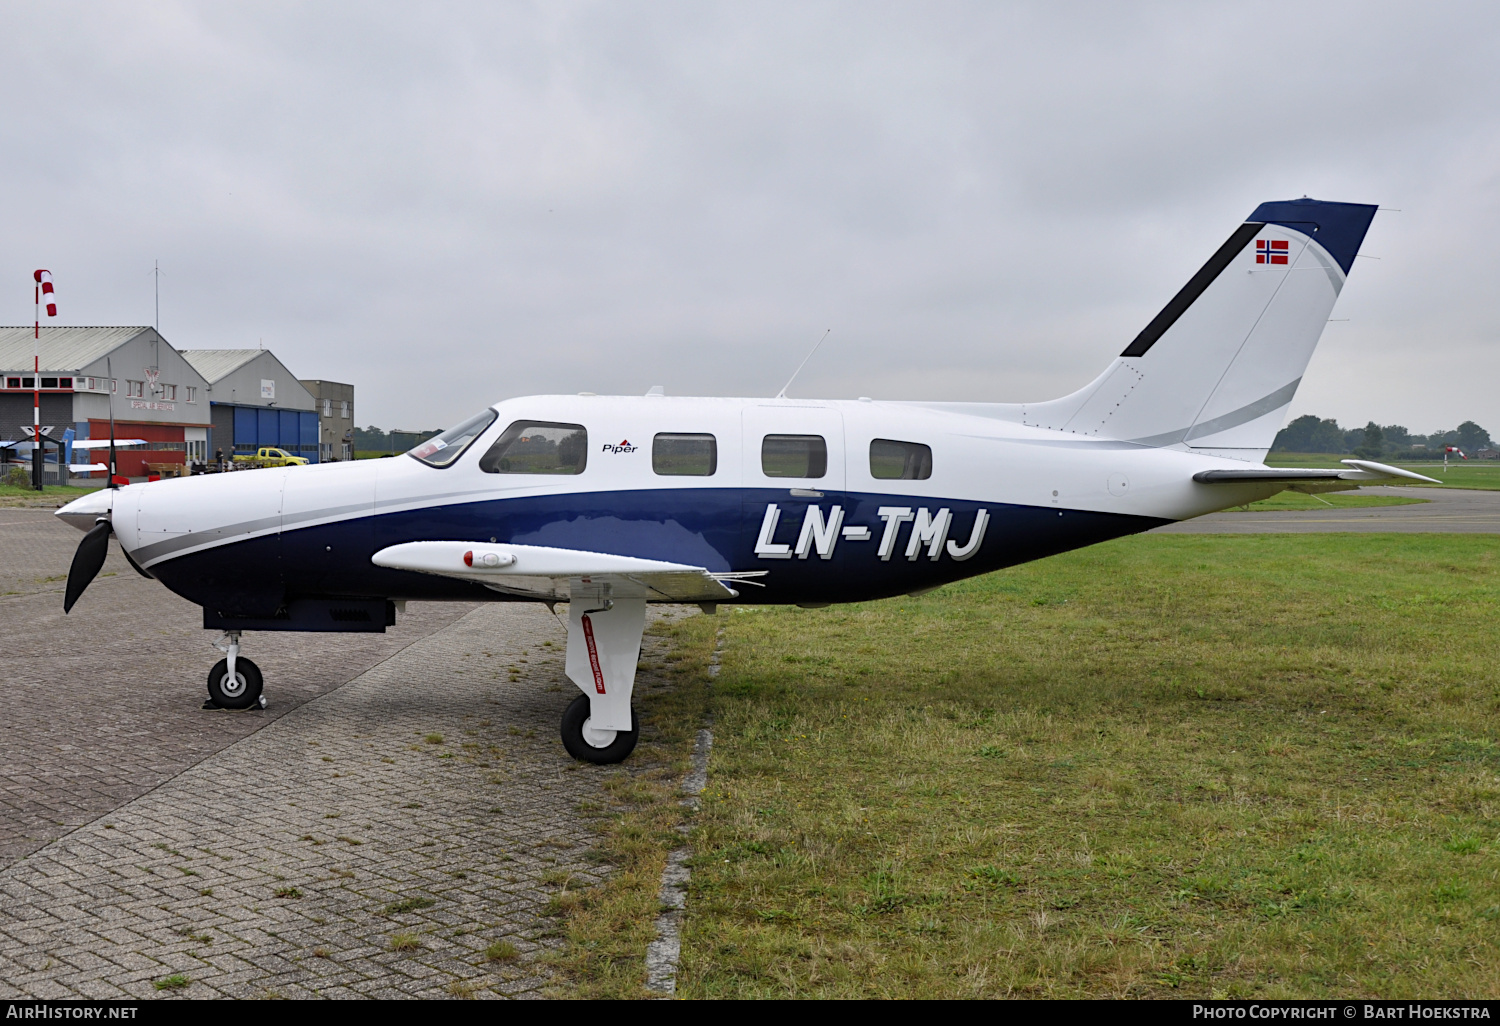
448, 204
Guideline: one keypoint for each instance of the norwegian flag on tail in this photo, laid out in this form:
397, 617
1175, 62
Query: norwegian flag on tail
48, 297
1272, 251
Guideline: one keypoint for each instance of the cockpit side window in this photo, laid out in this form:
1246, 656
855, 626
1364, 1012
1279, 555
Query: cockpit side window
538, 447
900, 461
444, 450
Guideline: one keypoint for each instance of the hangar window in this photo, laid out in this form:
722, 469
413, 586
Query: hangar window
442, 450
12, 382
900, 461
684, 455
49, 382
794, 456
538, 447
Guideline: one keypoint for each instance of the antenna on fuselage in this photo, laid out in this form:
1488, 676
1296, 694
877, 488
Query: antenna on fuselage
809, 356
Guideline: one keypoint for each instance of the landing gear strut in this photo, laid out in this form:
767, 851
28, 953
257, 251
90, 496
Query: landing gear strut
604, 644
234, 682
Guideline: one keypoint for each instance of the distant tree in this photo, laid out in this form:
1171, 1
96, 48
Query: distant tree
1396, 436
1297, 436
1470, 437
1309, 434
1371, 444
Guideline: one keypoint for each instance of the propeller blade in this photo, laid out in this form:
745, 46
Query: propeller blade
87, 562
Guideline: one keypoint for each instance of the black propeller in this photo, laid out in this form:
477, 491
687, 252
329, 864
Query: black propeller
87, 562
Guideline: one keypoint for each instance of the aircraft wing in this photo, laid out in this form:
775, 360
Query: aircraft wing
103, 443
539, 571
1330, 479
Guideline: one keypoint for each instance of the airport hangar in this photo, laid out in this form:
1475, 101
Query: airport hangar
187, 405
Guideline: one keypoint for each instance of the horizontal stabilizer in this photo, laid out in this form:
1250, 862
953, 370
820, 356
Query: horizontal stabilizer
1361, 470
548, 573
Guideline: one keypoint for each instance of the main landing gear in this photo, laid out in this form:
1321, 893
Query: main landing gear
234, 682
604, 645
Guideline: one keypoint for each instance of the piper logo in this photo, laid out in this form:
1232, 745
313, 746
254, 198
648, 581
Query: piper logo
624, 446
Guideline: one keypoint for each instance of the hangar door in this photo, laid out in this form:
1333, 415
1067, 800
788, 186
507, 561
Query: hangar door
295, 431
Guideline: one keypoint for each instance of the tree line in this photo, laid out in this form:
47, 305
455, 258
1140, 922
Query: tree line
1375, 441
374, 439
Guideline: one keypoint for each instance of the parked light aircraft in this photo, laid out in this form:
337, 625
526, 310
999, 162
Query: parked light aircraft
610, 503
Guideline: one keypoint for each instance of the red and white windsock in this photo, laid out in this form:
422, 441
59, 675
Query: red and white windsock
1454, 448
48, 297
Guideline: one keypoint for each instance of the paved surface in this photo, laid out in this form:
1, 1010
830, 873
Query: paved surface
1447, 511
104, 704
408, 833
376, 841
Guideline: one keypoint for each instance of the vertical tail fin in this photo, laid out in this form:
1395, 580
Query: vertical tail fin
1217, 368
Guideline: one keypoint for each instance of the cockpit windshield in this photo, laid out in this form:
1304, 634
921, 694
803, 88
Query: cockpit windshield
442, 450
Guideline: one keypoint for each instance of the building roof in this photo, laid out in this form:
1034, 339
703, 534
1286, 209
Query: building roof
215, 364
61, 349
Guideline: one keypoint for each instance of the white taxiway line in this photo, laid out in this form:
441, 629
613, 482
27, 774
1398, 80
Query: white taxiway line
664, 953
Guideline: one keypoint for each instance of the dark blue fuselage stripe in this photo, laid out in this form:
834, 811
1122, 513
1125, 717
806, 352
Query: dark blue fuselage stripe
712, 528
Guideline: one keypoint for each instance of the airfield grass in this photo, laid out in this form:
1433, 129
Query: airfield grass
1482, 474
1168, 765
1344, 500
17, 494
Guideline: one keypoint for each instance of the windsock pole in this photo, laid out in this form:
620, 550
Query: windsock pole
43, 286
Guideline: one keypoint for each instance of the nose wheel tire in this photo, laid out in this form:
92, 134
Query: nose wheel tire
586, 744
240, 692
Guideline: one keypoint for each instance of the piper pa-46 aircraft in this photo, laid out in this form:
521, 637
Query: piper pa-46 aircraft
612, 502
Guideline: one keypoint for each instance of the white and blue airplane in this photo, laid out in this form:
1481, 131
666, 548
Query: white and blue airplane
612, 502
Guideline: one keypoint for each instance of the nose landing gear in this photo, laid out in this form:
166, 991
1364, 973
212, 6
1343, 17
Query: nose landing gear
234, 682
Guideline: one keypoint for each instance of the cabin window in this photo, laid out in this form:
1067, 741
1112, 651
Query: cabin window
900, 461
538, 447
442, 450
684, 455
794, 456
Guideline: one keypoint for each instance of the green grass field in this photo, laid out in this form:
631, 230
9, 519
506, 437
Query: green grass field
1345, 500
1169, 765
1483, 474
11, 494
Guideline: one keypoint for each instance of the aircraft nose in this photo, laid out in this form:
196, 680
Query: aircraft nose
84, 511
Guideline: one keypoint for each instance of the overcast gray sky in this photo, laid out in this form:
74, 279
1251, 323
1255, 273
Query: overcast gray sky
449, 204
